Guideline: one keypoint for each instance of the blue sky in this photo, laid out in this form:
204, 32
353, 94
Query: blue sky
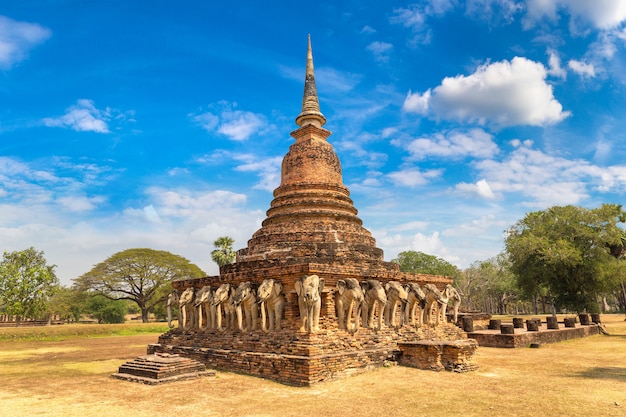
163, 124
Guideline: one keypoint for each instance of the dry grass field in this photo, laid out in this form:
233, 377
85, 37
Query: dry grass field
68, 375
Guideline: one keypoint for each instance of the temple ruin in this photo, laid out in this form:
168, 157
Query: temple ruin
311, 298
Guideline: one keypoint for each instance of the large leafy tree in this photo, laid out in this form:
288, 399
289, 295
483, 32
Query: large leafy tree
140, 275
489, 285
27, 283
422, 263
223, 254
569, 251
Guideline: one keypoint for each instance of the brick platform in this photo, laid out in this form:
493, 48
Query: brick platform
523, 338
296, 358
158, 368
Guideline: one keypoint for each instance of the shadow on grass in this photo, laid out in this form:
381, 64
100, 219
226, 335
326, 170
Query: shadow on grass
612, 372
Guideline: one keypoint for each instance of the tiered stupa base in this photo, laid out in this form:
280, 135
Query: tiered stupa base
297, 358
159, 367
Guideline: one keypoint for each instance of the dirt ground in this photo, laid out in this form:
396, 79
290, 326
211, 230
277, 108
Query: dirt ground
72, 378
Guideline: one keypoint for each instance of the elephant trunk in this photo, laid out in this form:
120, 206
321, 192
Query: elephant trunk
218, 317
184, 317
169, 317
263, 318
239, 318
365, 314
200, 314
309, 315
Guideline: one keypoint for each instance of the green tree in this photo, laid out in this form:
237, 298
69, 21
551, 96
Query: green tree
223, 254
67, 303
567, 252
106, 310
140, 275
422, 263
27, 283
490, 285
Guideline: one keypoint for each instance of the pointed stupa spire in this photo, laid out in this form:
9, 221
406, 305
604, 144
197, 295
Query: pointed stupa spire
311, 113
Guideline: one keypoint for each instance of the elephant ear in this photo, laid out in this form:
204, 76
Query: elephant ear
320, 288
341, 286
298, 285
278, 288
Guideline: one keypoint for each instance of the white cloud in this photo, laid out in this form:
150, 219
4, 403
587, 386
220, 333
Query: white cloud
77, 203
82, 117
584, 69
417, 103
236, 125
455, 144
368, 29
493, 10
554, 65
380, 50
412, 17
415, 16
412, 177
17, 38
544, 180
505, 93
481, 189
267, 169
601, 14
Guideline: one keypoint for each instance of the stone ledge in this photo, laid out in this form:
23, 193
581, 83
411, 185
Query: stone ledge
439, 355
152, 381
523, 338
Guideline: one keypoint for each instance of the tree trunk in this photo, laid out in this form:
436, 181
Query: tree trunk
145, 314
623, 296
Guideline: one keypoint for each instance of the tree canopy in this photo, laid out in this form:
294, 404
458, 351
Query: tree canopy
140, 275
570, 252
422, 263
223, 254
27, 283
489, 285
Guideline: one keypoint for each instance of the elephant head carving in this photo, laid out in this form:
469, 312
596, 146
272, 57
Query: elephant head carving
374, 303
309, 289
187, 308
435, 305
454, 297
206, 311
173, 302
245, 304
222, 300
395, 294
272, 303
348, 299
416, 302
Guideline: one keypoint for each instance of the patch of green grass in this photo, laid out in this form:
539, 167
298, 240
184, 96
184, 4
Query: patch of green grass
73, 331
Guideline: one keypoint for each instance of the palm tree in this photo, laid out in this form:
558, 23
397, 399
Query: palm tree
223, 253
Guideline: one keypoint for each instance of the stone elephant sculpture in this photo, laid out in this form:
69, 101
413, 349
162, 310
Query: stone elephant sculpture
206, 311
271, 299
309, 289
395, 294
224, 309
454, 297
374, 302
246, 307
187, 308
416, 302
435, 305
173, 302
349, 299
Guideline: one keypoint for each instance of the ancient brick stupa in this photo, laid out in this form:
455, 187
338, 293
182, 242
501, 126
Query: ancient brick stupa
311, 230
